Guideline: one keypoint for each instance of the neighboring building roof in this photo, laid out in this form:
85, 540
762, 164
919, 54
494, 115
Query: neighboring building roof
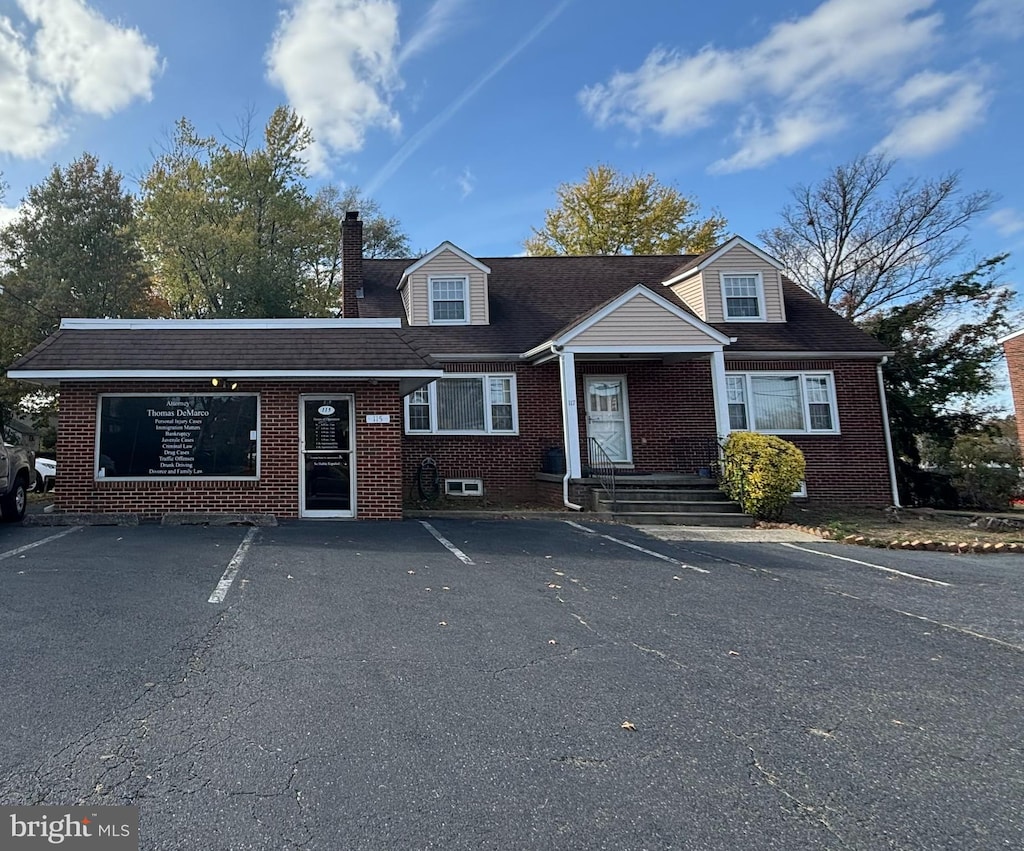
533, 298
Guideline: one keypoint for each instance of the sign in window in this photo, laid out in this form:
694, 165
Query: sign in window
178, 437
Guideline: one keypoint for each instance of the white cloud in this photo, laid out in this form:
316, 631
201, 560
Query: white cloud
800, 68
99, 67
787, 135
26, 106
998, 17
63, 56
949, 105
466, 182
440, 19
1007, 222
336, 62
8, 215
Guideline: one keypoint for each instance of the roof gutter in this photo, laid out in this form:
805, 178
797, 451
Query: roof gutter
568, 392
733, 354
890, 457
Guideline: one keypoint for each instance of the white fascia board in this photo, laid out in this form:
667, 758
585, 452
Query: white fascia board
430, 255
1010, 336
643, 292
485, 357
214, 372
805, 355
722, 250
221, 324
641, 350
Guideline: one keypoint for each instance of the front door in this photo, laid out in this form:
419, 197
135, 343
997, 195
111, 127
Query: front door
327, 471
608, 417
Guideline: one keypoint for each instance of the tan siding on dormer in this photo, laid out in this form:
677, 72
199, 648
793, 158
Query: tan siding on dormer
405, 303
641, 322
691, 293
736, 261
446, 263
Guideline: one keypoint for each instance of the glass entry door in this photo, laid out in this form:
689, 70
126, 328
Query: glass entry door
327, 472
608, 416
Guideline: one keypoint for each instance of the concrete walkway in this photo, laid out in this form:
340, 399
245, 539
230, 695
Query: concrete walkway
704, 533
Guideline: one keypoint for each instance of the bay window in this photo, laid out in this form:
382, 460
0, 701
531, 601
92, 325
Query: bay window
464, 404
782, 402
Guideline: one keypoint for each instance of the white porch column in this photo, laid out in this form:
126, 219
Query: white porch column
718, 389
570, 417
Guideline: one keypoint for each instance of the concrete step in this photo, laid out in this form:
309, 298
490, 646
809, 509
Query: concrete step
672, 518
699, 506
671, 495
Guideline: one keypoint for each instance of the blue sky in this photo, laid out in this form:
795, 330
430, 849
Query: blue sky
461, 117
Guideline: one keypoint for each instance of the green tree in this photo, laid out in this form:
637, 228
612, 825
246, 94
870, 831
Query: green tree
225, 224
383, 237
944, 365
861, 244
611, 213
232, 230
72, 251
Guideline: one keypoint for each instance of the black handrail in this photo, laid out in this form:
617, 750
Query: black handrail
602, 467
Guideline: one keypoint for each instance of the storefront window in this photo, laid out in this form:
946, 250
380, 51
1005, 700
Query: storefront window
178, 437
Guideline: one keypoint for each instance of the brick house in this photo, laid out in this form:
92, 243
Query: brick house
1013, 348
480, 376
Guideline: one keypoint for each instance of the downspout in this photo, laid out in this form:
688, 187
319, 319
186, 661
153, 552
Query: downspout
565, 429
888, 436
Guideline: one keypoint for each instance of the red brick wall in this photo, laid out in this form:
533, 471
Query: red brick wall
851, 467
672, 426
1014, 350
671, 412
507, 465
377, 454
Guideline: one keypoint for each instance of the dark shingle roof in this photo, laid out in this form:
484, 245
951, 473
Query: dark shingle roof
532, 298
227, 350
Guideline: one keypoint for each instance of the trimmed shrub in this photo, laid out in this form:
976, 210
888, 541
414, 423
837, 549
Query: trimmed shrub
761, 472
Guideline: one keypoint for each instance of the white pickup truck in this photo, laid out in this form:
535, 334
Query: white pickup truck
17, 476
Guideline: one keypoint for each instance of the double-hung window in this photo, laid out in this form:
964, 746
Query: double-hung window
464, 404
782, 403
449, 301
743, 297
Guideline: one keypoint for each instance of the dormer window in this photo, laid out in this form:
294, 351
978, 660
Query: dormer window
743, 297
449, 301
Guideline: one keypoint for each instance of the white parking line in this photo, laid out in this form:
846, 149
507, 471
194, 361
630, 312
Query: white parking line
961, 629
869, 564
231, 571
27, 547
459, 554
639, 549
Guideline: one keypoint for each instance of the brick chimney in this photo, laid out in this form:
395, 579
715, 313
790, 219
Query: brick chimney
351, 264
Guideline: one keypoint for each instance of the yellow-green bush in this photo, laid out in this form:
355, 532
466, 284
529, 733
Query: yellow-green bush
761, 472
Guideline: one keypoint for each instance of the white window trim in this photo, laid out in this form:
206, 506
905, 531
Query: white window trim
465, 299
803, 376
761, 307
489, 430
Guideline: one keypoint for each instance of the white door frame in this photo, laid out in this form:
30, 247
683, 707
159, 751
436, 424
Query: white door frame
627, 431
350, 399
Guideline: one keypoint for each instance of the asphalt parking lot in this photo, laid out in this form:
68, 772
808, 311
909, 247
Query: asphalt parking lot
512, 684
